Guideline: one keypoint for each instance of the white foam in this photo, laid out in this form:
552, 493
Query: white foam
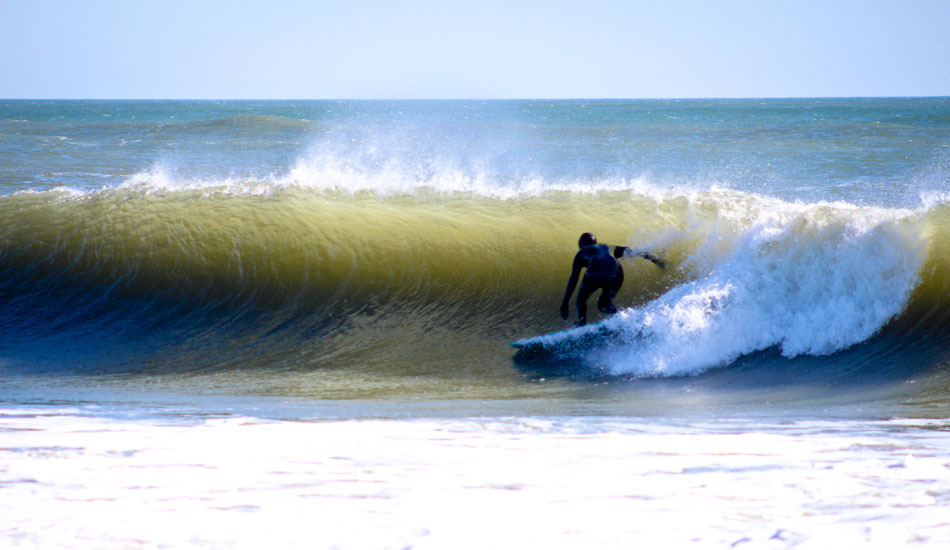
76, 481
391, 177
933, 199
395, 178
807, 279
160, 179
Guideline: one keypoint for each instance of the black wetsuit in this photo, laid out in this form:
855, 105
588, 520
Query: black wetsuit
603, 272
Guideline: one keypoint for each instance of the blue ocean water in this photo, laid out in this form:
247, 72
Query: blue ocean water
341, 272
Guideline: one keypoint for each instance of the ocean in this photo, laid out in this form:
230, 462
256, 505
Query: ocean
286, 324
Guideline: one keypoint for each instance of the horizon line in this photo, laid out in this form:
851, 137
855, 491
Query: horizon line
604, 98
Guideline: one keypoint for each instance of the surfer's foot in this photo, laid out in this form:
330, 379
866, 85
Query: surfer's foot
580, 322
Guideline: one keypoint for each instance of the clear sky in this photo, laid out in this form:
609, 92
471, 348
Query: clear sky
476, 49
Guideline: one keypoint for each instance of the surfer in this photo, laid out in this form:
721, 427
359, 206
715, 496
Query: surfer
603, 272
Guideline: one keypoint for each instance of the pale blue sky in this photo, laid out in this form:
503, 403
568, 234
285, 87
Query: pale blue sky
485, 49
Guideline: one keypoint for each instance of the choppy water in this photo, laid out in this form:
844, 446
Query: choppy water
327, 290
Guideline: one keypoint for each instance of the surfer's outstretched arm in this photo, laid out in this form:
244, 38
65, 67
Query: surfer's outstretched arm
620, 251
647, 256
571, 284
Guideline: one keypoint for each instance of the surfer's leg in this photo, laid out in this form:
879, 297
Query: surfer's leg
605, 303
587, 288
617, 280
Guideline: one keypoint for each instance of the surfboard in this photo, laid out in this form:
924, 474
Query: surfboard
536, 340
564, 342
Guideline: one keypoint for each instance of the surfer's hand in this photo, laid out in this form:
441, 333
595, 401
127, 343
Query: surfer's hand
659, 263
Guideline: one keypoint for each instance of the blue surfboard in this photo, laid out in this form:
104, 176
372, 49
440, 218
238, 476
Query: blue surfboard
565, 342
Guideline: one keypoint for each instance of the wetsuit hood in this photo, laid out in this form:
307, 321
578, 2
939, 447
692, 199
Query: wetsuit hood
586, 239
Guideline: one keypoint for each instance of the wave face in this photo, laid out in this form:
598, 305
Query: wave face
287, 274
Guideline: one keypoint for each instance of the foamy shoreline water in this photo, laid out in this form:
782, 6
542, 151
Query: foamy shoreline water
71, 481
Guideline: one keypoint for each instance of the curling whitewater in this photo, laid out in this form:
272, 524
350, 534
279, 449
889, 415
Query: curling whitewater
161, 277
802, 279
